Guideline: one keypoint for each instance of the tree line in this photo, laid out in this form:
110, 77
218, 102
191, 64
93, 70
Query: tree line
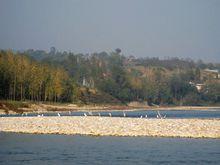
22, 78
68, 77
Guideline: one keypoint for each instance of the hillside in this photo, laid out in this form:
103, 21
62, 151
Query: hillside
107, 78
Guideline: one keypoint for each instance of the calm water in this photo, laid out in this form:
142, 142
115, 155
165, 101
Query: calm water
62, 149
149, 113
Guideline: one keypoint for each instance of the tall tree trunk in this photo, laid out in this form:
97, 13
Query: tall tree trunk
14, 89
45, 96
9, 92
21, 92
55, 98
40, 93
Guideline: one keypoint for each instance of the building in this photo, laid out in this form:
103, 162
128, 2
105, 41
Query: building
199, 87
211, 73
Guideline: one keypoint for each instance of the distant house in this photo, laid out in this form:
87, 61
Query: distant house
199, 87
211, 73
130, 60
88, 83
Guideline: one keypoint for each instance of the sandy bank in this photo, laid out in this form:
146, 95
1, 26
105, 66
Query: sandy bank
46, 108
112, 126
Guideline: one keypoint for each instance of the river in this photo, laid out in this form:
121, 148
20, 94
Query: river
66, 149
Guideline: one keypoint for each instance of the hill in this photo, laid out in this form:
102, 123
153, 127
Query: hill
115, 78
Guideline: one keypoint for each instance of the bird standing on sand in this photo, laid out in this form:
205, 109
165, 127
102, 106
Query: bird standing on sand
58, 114
145, 116
124, 114
110, 114
141, 117
159, 116
85, 114
69, 113
99, 114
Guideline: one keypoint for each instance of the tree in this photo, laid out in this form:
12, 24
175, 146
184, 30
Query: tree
197, 75
180, 87
118, 50
212, 91
52, 50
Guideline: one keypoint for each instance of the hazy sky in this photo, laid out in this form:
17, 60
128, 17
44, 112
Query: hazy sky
160, 28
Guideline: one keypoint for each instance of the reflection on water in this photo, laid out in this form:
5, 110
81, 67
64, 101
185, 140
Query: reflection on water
62, 149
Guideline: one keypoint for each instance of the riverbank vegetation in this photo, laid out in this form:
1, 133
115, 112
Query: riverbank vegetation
106, 78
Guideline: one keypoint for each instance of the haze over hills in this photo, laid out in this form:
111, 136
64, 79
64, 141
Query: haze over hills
142, 28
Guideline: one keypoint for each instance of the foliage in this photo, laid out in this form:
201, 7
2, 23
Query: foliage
67, 77
22, 78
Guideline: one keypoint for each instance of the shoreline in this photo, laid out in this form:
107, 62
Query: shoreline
48, 108
112, 126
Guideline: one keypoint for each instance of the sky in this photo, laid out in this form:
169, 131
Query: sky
142, 28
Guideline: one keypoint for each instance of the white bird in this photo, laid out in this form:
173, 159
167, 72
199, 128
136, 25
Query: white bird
110, 114
90, 113
38, 115
99, 114
85, 114
42, 115
69, 113
141, 117
58, 114
145, 116
159, 113
160, 116
124, 114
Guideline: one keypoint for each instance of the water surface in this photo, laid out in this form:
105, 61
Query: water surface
62, 149
136, 114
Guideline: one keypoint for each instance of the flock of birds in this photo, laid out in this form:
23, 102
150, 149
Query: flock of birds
159, 116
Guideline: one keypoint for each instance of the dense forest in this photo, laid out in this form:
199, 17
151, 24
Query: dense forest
101, 78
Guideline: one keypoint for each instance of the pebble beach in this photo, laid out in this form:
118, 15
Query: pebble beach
112, 126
